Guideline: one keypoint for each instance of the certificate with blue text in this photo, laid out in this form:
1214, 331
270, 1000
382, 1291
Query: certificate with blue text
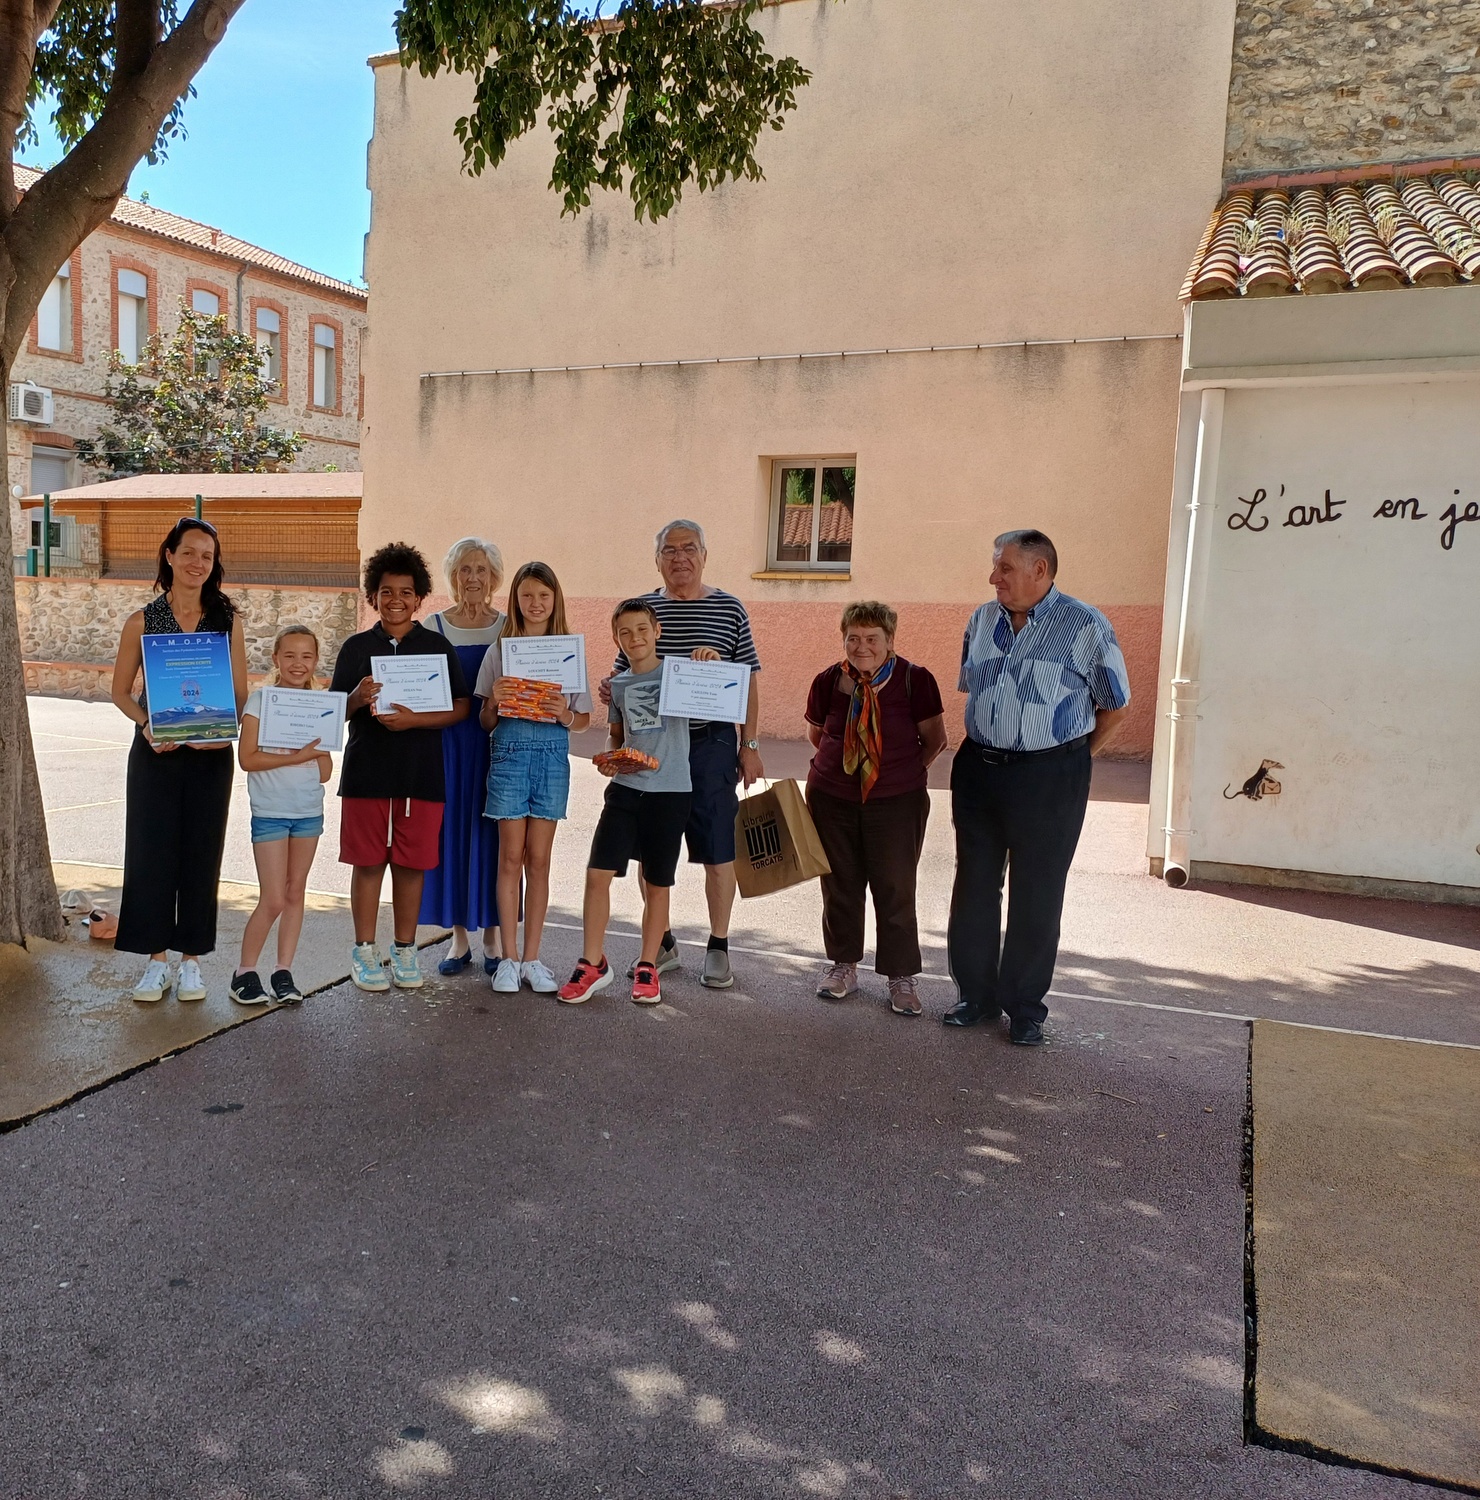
717, 690
418, 682
189, 689
295, 717
560, 659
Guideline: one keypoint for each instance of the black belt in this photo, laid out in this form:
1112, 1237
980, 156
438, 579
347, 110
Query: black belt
708, 729
995, 757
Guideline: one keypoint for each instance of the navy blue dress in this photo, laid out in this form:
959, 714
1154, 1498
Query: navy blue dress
462, 890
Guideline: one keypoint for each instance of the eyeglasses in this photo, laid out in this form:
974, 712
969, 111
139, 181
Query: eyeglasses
689, 549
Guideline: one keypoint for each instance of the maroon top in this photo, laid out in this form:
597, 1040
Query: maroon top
900, 712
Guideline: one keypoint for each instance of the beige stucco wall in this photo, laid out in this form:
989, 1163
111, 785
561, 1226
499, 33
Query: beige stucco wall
959, 171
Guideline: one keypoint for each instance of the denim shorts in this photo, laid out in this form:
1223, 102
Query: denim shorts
529, 771
270, 830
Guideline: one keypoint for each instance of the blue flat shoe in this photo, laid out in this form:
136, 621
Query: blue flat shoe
490, 965
455, 965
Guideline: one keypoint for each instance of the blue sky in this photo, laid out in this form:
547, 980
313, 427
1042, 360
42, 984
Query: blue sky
277, 134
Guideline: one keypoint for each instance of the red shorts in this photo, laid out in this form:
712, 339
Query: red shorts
403, 831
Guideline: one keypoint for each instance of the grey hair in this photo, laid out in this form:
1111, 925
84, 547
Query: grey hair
693, 526
459, 549
1035, 543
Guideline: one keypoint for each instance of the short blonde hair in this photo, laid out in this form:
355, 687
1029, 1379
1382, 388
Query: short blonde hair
459, 549
870, 614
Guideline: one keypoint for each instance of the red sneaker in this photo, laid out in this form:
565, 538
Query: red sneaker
587, 979
645, 989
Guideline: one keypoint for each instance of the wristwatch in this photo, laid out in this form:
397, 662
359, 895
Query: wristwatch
751, 745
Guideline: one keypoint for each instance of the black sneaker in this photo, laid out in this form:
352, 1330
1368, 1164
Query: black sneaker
246, 989
283, 987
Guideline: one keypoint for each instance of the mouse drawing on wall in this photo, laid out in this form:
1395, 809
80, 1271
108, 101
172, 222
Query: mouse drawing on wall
1260, 784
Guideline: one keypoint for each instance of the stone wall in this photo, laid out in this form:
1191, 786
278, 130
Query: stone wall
70, 627
1341, 83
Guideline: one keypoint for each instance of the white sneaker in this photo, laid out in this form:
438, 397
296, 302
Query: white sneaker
190, 986
506, 977
155, 982
539, 978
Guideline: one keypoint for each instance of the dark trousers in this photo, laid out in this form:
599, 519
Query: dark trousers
871, 846
1023, 817
174, 835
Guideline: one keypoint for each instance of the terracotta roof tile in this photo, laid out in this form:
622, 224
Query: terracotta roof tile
1335, 232
151, 220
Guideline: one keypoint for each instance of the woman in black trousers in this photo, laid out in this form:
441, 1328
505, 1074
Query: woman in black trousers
877, 722
178, 796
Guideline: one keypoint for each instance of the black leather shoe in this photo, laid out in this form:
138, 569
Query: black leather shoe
964, 1013
1026, 1034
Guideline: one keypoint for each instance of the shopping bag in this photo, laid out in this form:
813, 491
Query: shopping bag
776, 843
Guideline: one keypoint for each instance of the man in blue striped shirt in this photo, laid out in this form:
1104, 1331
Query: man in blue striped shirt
1045, 686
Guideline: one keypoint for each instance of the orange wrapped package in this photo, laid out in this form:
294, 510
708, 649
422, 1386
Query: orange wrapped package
624, 762
541, 701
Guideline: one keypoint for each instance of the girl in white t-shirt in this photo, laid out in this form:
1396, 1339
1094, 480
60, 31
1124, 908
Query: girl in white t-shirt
528, 779
286, 790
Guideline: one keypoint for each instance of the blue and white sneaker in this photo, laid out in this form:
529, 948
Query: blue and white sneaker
405, 967
366, 968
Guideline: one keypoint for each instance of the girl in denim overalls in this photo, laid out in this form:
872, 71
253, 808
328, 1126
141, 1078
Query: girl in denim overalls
528, 779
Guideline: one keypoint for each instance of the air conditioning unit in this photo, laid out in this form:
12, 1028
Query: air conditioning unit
31, 403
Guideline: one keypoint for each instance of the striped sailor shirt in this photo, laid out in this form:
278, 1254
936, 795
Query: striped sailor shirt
1040, 686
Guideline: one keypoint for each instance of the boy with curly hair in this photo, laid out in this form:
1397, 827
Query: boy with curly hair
391, 785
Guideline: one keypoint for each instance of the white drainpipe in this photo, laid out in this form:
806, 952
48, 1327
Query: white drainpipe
1186, 686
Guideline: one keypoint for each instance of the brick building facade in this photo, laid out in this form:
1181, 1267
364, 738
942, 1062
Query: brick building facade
127, 280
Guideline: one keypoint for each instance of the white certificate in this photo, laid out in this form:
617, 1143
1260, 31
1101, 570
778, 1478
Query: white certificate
418, 682
295, 717
560, 659
718, 690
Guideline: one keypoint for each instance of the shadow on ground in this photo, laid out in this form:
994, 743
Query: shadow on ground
743, 1244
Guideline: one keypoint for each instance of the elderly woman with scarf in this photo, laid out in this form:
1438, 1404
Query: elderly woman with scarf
877, 722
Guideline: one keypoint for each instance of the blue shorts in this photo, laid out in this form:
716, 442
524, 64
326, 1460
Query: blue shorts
714, 758
270, 830
529, 771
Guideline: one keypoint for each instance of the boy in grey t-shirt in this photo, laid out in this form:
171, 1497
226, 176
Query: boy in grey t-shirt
644, 814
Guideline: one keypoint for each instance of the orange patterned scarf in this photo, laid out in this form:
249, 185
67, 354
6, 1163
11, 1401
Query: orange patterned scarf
863, 733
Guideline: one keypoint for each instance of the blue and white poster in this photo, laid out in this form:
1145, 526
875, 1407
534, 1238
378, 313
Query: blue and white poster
189, 689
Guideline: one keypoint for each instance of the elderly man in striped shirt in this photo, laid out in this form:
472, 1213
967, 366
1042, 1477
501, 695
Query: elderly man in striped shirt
1046, 686
696, 616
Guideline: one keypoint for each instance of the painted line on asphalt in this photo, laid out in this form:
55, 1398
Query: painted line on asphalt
81, 807
811, 959
1182, 1010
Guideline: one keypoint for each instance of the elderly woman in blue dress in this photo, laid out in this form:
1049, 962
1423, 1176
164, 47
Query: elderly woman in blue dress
462, 892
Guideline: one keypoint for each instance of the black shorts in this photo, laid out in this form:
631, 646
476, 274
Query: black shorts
713, 769
645, 826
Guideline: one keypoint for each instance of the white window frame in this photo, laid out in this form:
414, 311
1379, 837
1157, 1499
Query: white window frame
195, 307
325, 364
137, 309
269, 337
54, 315
819, 462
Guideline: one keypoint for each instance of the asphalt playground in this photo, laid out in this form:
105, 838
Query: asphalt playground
748, 1243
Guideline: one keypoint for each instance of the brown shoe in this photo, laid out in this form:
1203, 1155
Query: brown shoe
904, 997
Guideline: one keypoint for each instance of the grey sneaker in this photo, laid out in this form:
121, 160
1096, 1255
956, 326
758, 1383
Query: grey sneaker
667, 959
839, 982
717, 975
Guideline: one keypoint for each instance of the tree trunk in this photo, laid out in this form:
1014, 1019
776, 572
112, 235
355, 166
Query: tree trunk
28, 891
